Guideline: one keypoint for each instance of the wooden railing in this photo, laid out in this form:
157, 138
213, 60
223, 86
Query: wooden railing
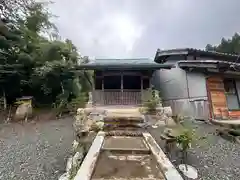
118, 97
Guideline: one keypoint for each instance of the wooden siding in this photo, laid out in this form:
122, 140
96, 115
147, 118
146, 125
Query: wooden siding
218, 102
234, 114
118, 97
195, 108
200, 109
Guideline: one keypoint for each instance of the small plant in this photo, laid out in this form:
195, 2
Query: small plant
152, 103
184, 138
78, 102
60, 104
63, 105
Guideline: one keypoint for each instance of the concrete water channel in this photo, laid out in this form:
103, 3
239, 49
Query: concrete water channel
126, 155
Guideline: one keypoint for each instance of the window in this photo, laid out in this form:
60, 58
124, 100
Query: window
112, 82
131, 82
231, 94
145, 83
98, 83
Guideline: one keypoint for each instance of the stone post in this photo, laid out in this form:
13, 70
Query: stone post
90, 99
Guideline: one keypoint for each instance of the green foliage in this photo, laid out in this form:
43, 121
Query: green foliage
34, 60
152, 103
64, 104
185, 138
231, 45
78, 102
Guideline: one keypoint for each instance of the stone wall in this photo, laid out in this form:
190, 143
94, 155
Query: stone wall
87, 123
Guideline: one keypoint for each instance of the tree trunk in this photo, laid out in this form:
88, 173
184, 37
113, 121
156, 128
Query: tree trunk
4, 101
185, 159
62, 88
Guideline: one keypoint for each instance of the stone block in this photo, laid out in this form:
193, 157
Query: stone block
65, 176
23, 111
166, 110
69, 165
75, 145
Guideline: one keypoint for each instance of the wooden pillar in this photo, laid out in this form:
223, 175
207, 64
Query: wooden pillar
94, 87
150, 84
103, 83
121, 81
121, 88
150, 79
102, 93
142, 98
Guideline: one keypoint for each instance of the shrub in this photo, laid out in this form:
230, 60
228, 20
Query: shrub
64, 105
152, 103
78, 102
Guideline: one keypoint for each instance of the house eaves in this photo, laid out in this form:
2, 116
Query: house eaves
162, 55
221, 66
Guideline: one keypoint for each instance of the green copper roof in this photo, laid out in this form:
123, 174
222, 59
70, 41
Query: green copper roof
141, 63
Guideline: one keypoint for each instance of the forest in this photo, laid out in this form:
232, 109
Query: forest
35, 61
231, 45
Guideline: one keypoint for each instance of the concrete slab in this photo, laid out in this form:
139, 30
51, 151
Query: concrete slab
226, 122
127, 167
124, 142
134, 112
119, 158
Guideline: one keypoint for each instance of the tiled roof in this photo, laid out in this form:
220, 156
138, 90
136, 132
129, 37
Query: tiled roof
121, 64
162, 54
123, 61
213, 64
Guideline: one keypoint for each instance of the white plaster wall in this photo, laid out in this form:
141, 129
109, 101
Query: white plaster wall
172, 83
196, 85
184, 91
179, 84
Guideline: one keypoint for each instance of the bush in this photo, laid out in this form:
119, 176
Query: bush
78, 102
152, 103
185, 139
64, 105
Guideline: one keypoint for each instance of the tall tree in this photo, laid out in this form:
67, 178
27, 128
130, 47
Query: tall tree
31, 61
231, 45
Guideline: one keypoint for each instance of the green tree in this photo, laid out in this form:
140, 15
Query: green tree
33, 60
231, 45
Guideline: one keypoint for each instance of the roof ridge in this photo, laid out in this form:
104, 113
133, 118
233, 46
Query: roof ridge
162, 55
122, 58
197, 50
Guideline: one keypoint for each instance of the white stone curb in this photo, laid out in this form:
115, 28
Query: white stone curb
89, 162
169, 171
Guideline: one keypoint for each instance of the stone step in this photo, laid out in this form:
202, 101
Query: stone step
125, 118
127, 150
125, 127
124, 132
142, 178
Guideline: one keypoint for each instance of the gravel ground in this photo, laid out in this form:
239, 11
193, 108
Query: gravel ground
35, 150
215, 158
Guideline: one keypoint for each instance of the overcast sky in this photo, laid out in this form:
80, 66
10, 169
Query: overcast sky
136, 28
